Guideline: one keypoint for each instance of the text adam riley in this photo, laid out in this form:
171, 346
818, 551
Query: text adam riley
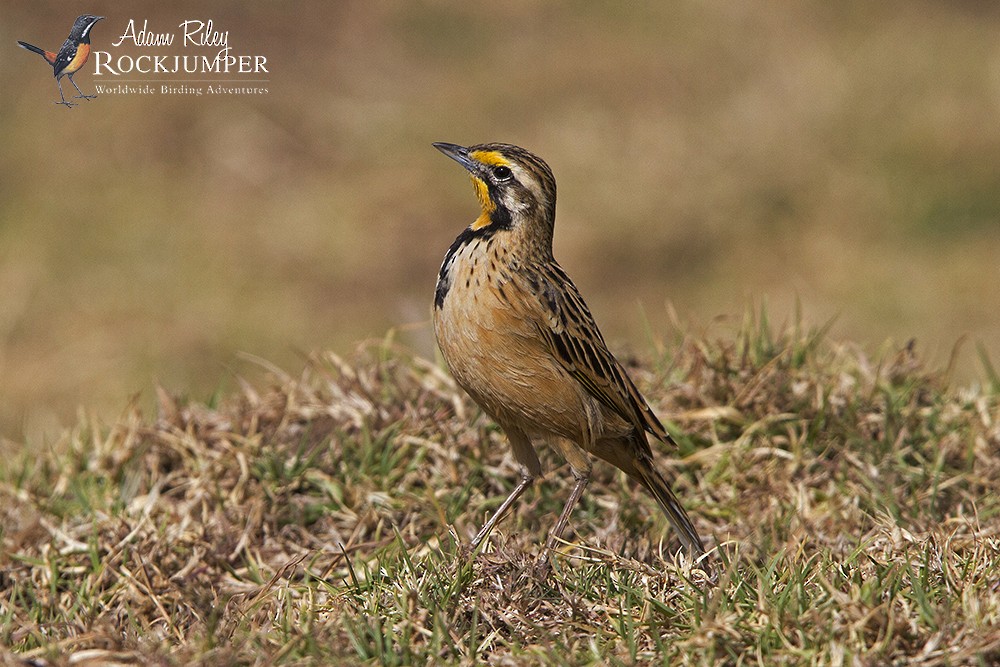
195, 34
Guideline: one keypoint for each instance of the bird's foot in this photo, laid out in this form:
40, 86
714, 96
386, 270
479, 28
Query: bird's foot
86, 97
543, 565
67, 104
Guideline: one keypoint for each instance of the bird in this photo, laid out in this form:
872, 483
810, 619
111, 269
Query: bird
518, 337
72, 55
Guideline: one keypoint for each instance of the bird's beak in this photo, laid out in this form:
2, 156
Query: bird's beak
459, 154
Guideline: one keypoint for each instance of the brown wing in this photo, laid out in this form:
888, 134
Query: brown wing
574, 339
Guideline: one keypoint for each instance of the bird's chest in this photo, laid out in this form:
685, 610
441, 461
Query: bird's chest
477, 316
76, 58
486, 333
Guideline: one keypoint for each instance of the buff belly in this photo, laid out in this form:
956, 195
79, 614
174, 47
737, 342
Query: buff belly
499, 360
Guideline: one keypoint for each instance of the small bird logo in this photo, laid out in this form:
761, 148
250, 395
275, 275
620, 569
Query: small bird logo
72, 55
519, 338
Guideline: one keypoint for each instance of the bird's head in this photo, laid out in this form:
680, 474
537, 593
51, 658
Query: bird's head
515, 187
82, 26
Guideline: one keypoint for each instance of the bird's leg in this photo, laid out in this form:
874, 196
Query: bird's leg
526, 481
63, 97
582, 479
574, 497
86, 97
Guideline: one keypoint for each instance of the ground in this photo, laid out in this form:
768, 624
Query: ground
324, 518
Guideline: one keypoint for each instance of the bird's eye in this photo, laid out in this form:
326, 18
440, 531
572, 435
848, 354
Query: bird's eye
502, 173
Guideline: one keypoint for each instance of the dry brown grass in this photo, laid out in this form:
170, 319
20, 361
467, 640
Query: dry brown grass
320, 520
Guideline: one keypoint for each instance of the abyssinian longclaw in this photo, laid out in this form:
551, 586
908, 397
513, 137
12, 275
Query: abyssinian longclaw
519, 338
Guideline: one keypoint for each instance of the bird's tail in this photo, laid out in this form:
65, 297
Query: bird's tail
48, 55
672, 508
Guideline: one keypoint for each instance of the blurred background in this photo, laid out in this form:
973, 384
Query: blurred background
711, 156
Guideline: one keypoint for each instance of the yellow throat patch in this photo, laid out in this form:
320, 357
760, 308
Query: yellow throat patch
483, 192
494, 159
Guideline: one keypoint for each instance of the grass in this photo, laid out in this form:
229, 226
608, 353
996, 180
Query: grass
324, 519
839, 154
